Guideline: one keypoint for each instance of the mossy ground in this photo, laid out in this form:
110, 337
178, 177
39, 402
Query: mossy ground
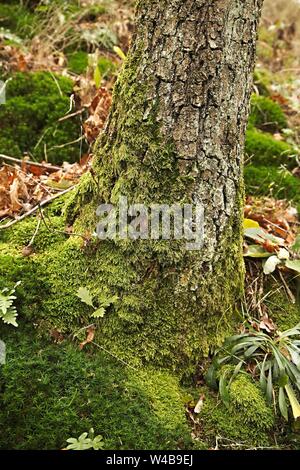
29, 120
50, 392
246, 423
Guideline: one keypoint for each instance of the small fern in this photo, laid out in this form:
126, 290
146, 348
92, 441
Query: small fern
8, 312
86, 441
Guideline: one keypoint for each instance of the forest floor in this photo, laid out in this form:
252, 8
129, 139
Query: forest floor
59, 62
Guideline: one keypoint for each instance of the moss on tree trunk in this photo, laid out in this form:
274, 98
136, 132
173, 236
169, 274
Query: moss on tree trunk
175, 135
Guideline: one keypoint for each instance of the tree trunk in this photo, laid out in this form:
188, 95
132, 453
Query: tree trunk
176, 135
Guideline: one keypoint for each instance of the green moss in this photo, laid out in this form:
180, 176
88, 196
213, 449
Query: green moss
266, 114
107, 67
29, 119
265, 150
169, 312
270, 180
247, 421
50, 392
283, 312
78, 63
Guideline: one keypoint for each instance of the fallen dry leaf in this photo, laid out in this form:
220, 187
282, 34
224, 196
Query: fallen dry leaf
89, 338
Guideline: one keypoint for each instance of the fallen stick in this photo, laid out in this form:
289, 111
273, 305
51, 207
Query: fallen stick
34, 209
29, 163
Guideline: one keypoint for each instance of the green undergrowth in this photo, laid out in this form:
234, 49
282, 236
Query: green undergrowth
16, 18
247, 421
50, 392
272, 181
30, 118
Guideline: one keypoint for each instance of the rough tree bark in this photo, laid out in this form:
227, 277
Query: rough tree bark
176, 134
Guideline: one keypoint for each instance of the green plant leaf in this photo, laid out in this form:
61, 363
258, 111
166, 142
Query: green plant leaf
99, 313
269, 389
10, 318
97, 77
293, 401
262, 377
294, 265
296, 246
259, 235
257, 251
107, 301
249, 352
283, 380
283, 404
85, 296
223, 389
119, 52
211, 377
249, 223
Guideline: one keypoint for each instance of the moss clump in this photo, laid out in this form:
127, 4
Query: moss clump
283, 312
78, 63
29, 119
270, 180
265, 150
247, 421
266, 114
50, 392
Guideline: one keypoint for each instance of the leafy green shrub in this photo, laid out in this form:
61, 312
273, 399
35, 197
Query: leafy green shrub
266, 114
29, 119
276, 359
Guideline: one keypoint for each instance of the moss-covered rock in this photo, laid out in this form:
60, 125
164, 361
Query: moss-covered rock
29, 120
247, 421
50, 392
266, 114
263, 149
